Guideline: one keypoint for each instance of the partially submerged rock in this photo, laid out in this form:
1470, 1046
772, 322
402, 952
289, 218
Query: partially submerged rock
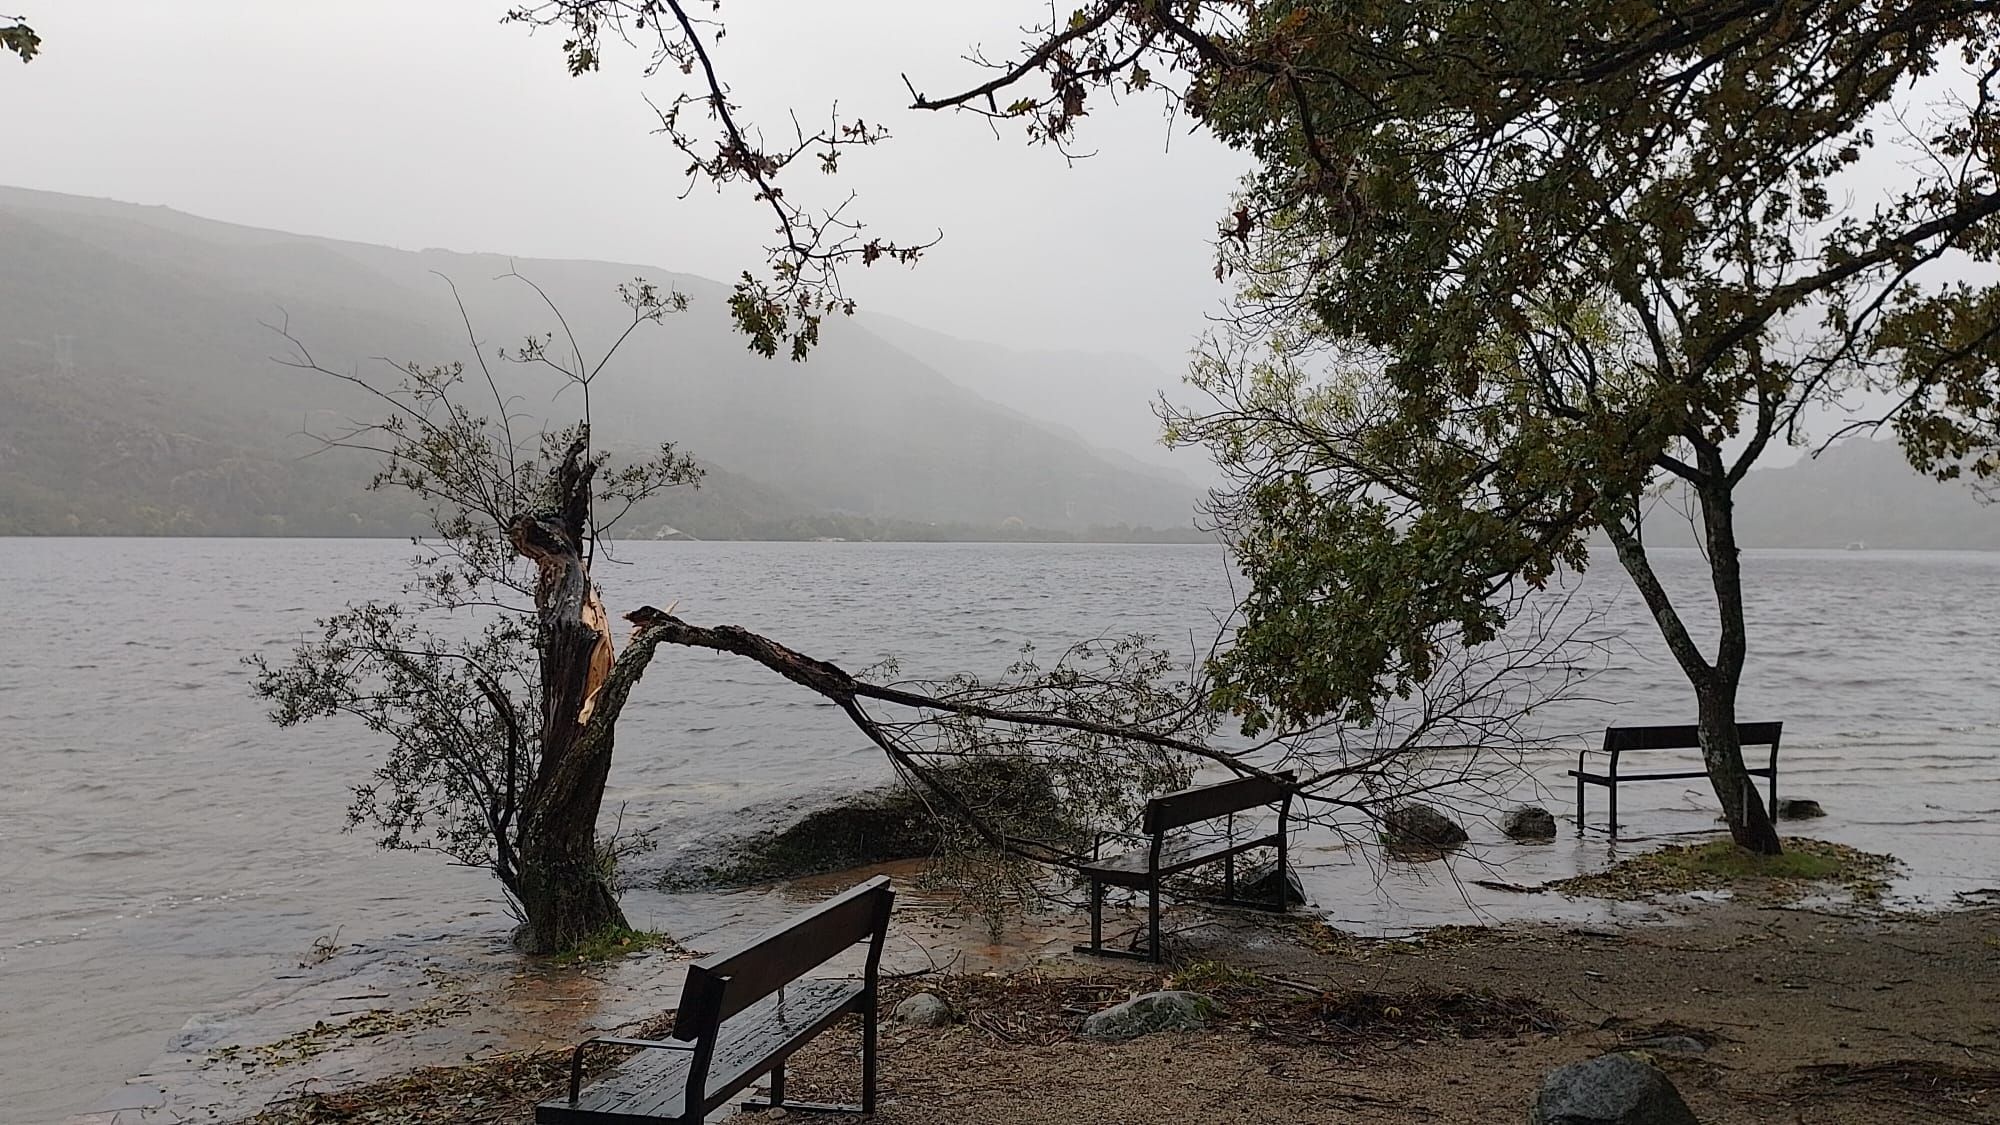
1154, 1011
873, 826
1529, 822
1616, 1089
1420, 826
1798, 808
925, 1009
1260, 884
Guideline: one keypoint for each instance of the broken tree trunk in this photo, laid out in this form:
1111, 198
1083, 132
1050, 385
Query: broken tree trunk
564, 878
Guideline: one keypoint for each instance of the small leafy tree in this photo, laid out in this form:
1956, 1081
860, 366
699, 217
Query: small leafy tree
495, 680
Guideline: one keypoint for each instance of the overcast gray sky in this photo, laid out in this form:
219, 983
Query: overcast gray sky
428, 124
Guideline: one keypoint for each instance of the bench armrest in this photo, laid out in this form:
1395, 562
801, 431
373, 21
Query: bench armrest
576, 1057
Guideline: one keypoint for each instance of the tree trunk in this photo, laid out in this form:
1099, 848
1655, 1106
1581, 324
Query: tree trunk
1721, 750
565, 882
1714, 684
1722, 753
565, 889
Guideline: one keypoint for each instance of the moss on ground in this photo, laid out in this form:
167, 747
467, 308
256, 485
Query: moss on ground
611, 943
1806, 866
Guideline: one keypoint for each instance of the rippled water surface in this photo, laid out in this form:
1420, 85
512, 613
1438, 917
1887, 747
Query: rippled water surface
162, 846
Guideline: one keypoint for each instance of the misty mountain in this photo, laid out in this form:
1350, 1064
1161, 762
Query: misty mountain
1857, 492
1104, 398
138, 390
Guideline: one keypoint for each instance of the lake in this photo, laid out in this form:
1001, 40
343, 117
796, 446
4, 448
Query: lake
163, 847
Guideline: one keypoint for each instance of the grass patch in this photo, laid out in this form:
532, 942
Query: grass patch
1804, 867
1211, 976
611, 943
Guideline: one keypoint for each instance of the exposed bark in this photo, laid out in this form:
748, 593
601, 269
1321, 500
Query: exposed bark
564, 879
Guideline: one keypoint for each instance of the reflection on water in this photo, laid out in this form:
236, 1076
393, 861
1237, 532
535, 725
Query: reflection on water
163, 848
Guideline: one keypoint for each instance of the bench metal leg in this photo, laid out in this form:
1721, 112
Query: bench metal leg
776, 1100
1153, 921
1097, 948
868, 1054
1579, 808
1613, 787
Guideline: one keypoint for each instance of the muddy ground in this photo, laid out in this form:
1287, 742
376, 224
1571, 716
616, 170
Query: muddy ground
1805, 1018
1760, 1014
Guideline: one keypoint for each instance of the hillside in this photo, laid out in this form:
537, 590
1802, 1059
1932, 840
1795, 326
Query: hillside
138, 392
1857, 492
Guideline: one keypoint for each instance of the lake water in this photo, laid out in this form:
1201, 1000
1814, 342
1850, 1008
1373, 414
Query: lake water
163, 847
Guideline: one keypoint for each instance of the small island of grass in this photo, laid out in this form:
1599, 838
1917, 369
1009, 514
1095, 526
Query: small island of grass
1720, 865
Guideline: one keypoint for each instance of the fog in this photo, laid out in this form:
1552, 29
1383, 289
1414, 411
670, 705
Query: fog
432, 125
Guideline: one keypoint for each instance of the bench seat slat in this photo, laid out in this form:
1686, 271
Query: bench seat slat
1605, 778
652, 1085
1178, 854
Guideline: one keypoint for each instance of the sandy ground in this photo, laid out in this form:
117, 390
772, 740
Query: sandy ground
1810, 1019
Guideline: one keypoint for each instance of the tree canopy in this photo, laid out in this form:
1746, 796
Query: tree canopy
1508, 269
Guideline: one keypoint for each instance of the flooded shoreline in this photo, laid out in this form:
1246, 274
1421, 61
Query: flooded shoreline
163, 848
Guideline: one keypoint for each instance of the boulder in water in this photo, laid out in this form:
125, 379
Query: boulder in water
1529, 822
872, 826
1798, 808
1420, 826
1616, 1089
1260, 884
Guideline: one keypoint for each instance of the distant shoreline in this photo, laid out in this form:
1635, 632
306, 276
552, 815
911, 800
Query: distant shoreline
1140, 537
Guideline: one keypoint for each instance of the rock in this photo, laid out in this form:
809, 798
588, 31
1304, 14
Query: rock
925, 1009
1529, 822
1610, 1090
201, 1033
1420, 826
1260, 884
1155, 1011
845, 831
1798, 808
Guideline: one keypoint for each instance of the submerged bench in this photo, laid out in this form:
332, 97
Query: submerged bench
1620, 740
1169, 851
742, 1014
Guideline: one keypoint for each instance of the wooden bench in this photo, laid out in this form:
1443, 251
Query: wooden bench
741, 1015
1619, 740
1169, 850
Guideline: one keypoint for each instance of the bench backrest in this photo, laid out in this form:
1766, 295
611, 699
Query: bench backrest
723, 984
1687, 737
1206, 802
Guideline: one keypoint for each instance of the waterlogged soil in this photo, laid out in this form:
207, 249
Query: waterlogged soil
1759, 1013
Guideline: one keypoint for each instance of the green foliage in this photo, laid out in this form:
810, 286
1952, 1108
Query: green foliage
18, 37
452, 676
611, 943
1504, 267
